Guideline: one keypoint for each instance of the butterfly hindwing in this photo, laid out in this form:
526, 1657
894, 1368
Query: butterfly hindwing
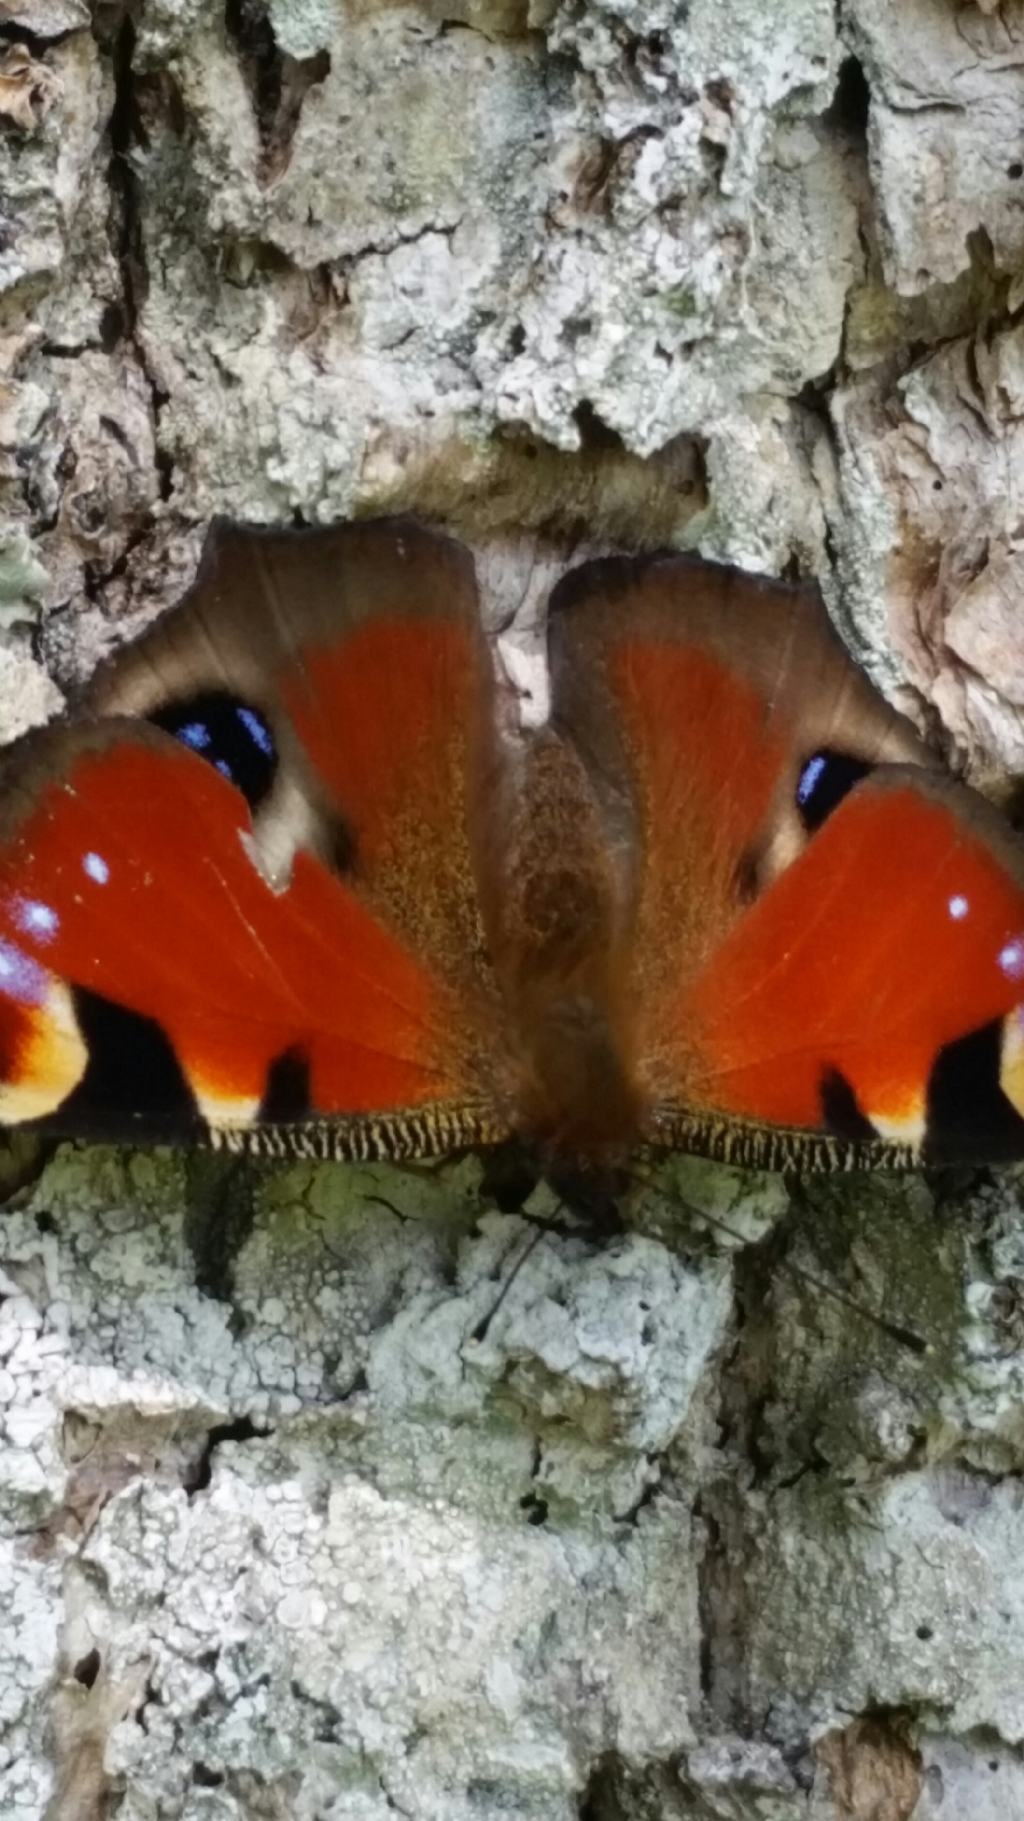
356, 654
262, 888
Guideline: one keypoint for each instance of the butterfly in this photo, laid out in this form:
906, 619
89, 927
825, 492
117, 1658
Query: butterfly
295, 881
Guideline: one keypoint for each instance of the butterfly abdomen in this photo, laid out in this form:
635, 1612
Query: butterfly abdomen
581, 1106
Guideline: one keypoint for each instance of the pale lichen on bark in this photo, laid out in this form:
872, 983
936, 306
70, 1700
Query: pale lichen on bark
378, 1503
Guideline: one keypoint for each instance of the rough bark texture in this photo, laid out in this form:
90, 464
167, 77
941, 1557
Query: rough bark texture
297, 1519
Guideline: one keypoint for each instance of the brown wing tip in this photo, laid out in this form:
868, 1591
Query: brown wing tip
396, 535
610, 579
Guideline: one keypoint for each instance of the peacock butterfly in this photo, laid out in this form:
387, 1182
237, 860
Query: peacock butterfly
294, 883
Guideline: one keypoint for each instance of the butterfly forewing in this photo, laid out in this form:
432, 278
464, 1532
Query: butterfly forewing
261, 908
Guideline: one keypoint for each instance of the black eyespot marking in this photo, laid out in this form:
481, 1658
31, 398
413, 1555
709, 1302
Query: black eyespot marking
840, 1111
969, 1117
230, 734
286, 1095
133, 1086
825, 779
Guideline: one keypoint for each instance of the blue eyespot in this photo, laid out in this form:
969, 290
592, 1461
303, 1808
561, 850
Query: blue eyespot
195, 734
257, 729
232, 735
810, 778
825, 779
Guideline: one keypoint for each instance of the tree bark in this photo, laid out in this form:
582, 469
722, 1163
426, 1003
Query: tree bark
311, 1524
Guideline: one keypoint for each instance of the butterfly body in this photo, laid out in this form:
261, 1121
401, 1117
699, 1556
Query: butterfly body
294, 880
552, 914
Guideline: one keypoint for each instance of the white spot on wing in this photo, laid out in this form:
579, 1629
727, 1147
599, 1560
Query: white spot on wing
96, 868
37, 919
1011, 958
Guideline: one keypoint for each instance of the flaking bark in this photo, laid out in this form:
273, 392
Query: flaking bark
346, 1519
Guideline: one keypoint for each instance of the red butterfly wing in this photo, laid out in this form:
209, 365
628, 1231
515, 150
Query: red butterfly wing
826, 939
897, 935
275, 884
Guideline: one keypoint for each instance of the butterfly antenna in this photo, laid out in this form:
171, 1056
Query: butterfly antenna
895, 1331
532, 1242
424, 1169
